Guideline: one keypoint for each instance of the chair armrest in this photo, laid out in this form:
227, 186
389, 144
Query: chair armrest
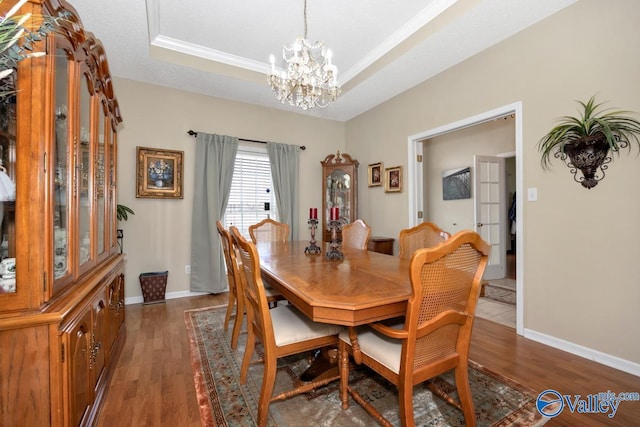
389, 331
445, 318
380, 327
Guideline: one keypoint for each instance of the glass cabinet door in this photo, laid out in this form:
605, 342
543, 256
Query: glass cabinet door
8, 108
100, 189
112, 188
84, 179
62, 177
338, 189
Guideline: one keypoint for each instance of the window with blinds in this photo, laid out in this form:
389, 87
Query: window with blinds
251, 199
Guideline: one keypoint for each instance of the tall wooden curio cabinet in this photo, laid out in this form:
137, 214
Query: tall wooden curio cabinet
61, 274
339, 190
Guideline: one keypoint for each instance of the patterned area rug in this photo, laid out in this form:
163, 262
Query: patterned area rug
224, 401
497, 292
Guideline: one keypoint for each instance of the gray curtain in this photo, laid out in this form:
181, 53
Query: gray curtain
284, 161
214, 163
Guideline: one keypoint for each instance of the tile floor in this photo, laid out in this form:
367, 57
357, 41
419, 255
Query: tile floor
498, 312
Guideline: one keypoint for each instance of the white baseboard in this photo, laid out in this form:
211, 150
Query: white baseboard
171, 295
588, 353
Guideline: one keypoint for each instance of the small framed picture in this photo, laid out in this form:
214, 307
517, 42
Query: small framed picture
375, 175
159, 174
393, 179
456, 184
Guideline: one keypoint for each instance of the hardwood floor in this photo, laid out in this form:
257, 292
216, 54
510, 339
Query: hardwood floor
152, 384
511, 266
541, 367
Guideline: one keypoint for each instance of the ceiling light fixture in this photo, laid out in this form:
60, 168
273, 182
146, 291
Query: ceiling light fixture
309, 79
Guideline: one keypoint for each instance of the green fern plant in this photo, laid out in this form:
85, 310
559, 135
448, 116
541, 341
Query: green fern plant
615, 127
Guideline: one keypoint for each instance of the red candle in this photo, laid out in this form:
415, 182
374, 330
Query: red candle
313, 213
334, 214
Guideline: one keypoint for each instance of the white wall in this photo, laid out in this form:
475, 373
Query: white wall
581, 286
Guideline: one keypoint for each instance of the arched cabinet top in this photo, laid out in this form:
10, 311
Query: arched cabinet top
85, 48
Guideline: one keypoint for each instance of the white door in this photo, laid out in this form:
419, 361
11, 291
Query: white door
491, 211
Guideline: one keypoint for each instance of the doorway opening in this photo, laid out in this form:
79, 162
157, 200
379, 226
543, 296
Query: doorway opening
498, 298
415, 184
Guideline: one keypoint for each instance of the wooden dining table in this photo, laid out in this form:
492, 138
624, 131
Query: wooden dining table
361, 288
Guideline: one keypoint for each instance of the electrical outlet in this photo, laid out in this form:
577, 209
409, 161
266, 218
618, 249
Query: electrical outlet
187, 269
119, 234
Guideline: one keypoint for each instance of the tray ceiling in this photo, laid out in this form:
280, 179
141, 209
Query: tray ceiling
221, 48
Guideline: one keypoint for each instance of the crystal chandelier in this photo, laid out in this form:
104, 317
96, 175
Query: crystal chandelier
309, 79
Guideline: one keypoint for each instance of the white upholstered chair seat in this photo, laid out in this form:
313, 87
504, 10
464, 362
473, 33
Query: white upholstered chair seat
291, 326
379, 347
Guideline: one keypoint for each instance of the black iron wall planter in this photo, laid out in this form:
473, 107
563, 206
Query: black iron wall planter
586, 143
589, 156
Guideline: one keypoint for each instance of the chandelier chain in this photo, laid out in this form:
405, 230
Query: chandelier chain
305, 19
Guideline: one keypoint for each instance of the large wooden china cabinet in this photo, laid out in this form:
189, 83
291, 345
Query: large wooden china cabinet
339, 190
62, 282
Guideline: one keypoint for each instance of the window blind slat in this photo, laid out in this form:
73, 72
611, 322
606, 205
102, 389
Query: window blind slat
251, 188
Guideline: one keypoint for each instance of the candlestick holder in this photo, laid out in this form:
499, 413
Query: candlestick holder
334, 253
312, 248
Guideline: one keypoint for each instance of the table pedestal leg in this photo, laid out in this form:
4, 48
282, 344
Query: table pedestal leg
325, 365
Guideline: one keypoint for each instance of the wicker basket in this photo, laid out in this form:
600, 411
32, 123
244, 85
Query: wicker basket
153, 286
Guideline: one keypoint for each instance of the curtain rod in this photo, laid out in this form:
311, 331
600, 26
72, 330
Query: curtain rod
194, 134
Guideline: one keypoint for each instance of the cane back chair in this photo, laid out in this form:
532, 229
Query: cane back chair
269, 230
423, 235
435, 335
236, 294
356, 235
283, 330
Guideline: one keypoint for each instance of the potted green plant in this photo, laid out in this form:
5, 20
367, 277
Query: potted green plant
123, 212
584, 142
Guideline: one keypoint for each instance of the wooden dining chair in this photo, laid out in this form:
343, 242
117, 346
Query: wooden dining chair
269, 230
283, 330
434, 337
236, 294
423, 235
356, 235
